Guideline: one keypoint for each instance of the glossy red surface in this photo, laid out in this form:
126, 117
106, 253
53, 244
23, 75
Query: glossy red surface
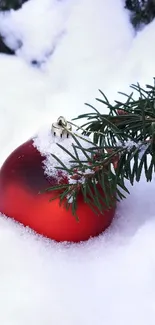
22, 178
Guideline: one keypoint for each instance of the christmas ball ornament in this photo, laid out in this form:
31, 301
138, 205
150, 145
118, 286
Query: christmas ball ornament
28, 172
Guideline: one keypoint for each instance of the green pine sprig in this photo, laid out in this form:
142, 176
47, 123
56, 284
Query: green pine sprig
122, 146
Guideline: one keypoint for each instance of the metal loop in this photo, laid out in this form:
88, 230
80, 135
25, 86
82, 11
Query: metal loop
61, 127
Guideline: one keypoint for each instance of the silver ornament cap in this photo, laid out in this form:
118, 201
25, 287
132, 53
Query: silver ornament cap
61, 128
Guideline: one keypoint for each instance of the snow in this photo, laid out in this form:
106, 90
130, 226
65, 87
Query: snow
47, 144
129, 145
21, 28
110, 279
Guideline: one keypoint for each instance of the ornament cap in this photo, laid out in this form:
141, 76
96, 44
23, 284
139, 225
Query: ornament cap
61, 128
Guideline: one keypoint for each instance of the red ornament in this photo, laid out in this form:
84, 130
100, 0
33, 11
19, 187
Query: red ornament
22, 177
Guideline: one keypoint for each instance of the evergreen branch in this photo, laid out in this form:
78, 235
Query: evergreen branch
122, 142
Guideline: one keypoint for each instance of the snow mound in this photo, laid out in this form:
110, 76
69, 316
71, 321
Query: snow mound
47, 144
34, 30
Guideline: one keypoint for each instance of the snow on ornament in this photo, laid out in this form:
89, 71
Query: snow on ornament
30, 170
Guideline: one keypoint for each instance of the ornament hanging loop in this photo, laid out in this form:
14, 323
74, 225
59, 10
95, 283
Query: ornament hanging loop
61, 128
